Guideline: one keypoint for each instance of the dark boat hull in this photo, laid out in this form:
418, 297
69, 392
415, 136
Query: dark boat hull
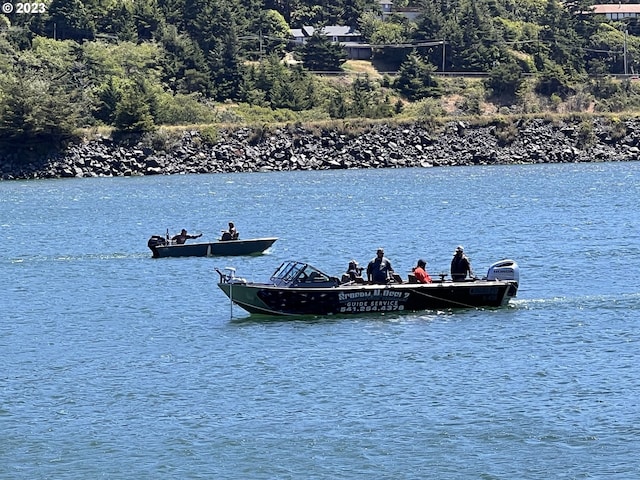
352, 299
214, 249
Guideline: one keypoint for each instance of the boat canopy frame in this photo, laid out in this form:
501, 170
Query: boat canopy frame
294, 273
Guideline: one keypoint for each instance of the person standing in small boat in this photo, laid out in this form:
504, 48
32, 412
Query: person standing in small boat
231, 234
379, 269
460, 265
183, 236
420, 272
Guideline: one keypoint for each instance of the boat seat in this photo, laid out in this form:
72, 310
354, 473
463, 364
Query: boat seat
397, 278
347, 279
412, 278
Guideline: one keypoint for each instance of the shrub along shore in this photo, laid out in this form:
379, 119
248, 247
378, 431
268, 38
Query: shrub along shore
376, 145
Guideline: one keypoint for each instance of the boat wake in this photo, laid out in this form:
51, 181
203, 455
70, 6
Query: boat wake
75, 258
618, 300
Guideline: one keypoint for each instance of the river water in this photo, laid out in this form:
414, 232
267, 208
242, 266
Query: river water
117, 365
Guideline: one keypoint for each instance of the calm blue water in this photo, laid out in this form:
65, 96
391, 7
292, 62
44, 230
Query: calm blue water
115, 365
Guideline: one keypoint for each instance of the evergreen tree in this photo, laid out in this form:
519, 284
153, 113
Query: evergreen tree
322, 55
416, 80
119, 22
352, 11
184, 66
173, 12
479, 51
553, 80
147, 18
364, 97
338, 106
36, 106
225, 63
133, 111
505, 79
559, 40
108, 95
68, 19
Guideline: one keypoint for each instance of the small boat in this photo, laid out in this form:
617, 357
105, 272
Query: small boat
161, 247
297, 288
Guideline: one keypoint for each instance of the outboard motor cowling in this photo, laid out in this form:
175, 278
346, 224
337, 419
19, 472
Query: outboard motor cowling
156, 241
504, 270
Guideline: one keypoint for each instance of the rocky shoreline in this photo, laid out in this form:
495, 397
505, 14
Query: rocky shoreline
245, 149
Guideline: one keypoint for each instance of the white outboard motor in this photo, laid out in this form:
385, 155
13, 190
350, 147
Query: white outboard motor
231, 276
504, 270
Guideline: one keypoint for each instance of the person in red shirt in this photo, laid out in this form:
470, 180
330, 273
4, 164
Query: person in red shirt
420, 272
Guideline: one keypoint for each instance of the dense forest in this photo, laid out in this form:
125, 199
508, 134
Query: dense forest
133, 65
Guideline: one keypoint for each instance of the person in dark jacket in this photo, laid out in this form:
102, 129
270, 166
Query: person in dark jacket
379, 269
460, 265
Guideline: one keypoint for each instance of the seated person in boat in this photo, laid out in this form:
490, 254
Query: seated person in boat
183, 236
379, 269
231, 234
460, 265
420, 272
353, 274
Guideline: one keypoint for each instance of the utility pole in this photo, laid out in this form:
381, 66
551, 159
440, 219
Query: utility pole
626, 69
444, 43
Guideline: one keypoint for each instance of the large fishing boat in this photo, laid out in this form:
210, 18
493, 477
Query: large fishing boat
297, 288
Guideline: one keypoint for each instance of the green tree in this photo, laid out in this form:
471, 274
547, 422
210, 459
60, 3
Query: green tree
338, 107
133, 111
559, 41
225, 63
479, 51
69, 19
274, 31
320, 54
184, 66
35, 107
108, 95
291, 95
505, 79
415, 79
553, 80
148, 18
119, 22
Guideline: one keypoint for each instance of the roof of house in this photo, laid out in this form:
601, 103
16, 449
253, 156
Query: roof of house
329, 31
616, 8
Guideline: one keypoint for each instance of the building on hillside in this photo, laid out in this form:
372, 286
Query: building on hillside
617, 11
348, 37
335, 33
387, 9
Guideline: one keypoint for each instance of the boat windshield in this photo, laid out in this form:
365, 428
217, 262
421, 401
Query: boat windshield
290, 273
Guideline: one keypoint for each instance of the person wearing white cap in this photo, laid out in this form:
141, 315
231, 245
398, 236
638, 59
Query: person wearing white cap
460, 265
